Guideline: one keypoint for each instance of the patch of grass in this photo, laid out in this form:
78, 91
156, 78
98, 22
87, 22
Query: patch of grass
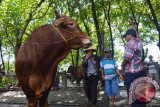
7, 81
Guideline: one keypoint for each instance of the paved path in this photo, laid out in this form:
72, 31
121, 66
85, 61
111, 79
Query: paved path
70, 97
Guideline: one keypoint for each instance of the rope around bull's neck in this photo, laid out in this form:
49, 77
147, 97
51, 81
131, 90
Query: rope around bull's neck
61, 35
55, 27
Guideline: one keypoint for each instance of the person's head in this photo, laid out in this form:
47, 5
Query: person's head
130, 33
107, 52
150, 57
90, 49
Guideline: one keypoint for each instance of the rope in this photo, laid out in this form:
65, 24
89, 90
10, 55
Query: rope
36, 43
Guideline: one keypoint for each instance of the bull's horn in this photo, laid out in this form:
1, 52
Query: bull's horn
57, 14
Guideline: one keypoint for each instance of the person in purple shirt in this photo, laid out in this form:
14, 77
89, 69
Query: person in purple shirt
132, 59
91, 64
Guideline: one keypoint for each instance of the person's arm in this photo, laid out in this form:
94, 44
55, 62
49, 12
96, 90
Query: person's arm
102, 72
120, 75
124, 63
156, 66
85, 60
88, 55
128, 54
132, 25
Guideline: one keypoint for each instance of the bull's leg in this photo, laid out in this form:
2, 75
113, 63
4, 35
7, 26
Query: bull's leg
32, 100
78, 84
43, 100
72, 78
32, 103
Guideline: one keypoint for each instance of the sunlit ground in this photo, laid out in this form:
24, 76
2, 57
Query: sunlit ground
72, 96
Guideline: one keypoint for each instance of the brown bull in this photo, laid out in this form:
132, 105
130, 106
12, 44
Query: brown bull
36, 61
77, 73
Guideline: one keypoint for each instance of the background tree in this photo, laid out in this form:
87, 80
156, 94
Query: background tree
153, 16
103, 20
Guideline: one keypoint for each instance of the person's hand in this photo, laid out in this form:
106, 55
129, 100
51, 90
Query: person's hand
103, 77
121, 77
88, 55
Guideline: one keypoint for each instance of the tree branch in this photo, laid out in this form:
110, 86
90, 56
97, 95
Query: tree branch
20, 36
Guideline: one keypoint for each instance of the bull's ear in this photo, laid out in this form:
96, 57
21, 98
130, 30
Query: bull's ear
57, 14
59, 22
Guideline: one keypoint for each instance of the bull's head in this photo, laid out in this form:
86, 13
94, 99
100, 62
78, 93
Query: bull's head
71, 32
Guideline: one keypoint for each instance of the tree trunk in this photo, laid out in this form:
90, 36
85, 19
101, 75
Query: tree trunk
109, 24
20, 36
9, 56
77, 58
0, 74
102, 44
72, 58
3, 67
96, 26
154, 20
83, 19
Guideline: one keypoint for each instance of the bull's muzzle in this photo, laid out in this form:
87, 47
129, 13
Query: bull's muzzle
87, 43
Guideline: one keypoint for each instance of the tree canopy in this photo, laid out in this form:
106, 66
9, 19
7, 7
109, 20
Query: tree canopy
103, 20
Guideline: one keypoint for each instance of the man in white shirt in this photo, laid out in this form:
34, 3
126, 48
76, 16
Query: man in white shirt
152, 68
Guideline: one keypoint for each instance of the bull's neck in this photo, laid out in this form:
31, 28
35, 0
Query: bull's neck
58, 56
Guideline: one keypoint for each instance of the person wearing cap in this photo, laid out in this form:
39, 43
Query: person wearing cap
91, 63
109, 73
152, 69
132, 59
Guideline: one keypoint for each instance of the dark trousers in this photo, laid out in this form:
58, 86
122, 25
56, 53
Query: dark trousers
90, 88
129, 78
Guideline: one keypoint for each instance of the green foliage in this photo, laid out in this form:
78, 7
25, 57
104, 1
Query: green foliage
7, 81
14, 15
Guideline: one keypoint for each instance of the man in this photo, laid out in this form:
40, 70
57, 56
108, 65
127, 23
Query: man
91, 63
152, 68
109, 74
132, 61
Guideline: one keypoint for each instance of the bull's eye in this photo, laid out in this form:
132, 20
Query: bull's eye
70, 23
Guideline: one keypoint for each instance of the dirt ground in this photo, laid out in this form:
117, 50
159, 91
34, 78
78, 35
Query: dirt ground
72, 96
